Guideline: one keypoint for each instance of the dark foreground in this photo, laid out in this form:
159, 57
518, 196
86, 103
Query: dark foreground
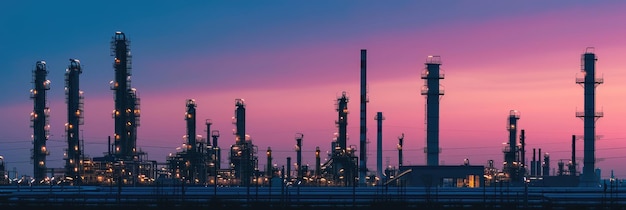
342, 198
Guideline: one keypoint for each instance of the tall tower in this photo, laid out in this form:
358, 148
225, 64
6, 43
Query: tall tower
318, 166
400, 143
190, 118
126, 113
74, 97
379, 143
299, 172
589, 83
433, 92
511, 164
342, 121
242, 158
39, 120
268, 171
216, 149
363, 127
193, 170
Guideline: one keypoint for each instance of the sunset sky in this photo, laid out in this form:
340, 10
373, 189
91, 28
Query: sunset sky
290, 60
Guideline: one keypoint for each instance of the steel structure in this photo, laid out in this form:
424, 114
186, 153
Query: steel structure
127, 112
589, 116
4, 176
512, 166
75, 109
197, 161
433, 92
342, 167
243, 161
39, 120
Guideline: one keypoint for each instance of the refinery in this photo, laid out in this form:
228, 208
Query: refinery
203, 171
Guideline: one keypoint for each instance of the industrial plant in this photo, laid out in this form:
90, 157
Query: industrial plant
198, 161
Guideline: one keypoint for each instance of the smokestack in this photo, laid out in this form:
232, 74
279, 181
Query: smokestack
218, 154
364, 100
379, 143
533, 163
522, 138
208, 123
318, 166
546, 164
299, 137
190, 118
539, 163
572, 169
431, 76
400, 142
268, 171
589, 116
288, 172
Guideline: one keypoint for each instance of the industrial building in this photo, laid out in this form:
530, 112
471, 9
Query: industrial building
199, 160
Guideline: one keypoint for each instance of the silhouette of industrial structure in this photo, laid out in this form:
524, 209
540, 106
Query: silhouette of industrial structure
199, 160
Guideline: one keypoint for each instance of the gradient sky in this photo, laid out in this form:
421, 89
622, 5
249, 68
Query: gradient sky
290, 60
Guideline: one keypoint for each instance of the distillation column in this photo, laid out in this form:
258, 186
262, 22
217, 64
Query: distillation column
379, 143
193, 170
363, 127
126, 113
242, 159
39, 120
589, 83
342, 122
511, 166
216, 149
74, 97
433, 92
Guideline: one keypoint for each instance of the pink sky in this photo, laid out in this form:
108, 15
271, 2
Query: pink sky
523, 62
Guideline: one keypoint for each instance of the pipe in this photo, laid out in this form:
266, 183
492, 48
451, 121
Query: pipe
363, 127
379, 143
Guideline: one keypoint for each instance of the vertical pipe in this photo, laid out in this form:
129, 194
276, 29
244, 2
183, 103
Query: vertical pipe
432, 91
299, 137
363, 127
539, 163
572, 168
218, 154
318, 166
400, 142
288, 172
268, 172
109, 146
533, 163
522, 138
379, 143
208, 123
